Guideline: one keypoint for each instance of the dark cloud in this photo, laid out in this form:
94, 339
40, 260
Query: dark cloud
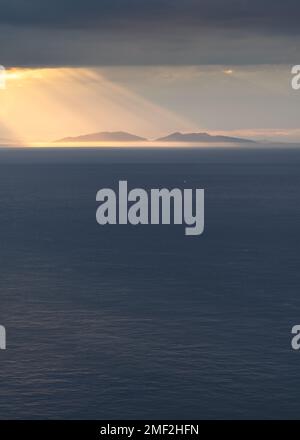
98, 32
266, 15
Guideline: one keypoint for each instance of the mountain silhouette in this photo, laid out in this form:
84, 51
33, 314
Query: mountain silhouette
104, 136
200, 137
121, 136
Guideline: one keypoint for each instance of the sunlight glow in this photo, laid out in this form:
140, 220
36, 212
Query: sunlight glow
43, 105
228, 71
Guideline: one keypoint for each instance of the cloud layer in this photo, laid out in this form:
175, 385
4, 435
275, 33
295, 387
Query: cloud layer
97, 32
266, 15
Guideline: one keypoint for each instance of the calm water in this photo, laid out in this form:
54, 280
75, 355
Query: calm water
144, 322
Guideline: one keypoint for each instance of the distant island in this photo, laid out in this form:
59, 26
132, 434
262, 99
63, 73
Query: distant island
177, 137
105, 136
200, 137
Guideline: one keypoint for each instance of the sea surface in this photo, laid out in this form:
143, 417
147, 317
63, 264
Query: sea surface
143, 322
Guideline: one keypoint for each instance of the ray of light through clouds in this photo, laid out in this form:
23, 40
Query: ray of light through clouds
149, 67
44, 104
41, 105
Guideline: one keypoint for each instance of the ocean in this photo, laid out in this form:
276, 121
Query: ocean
143, 322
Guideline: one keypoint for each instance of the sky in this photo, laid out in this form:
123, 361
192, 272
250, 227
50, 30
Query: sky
149, 67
